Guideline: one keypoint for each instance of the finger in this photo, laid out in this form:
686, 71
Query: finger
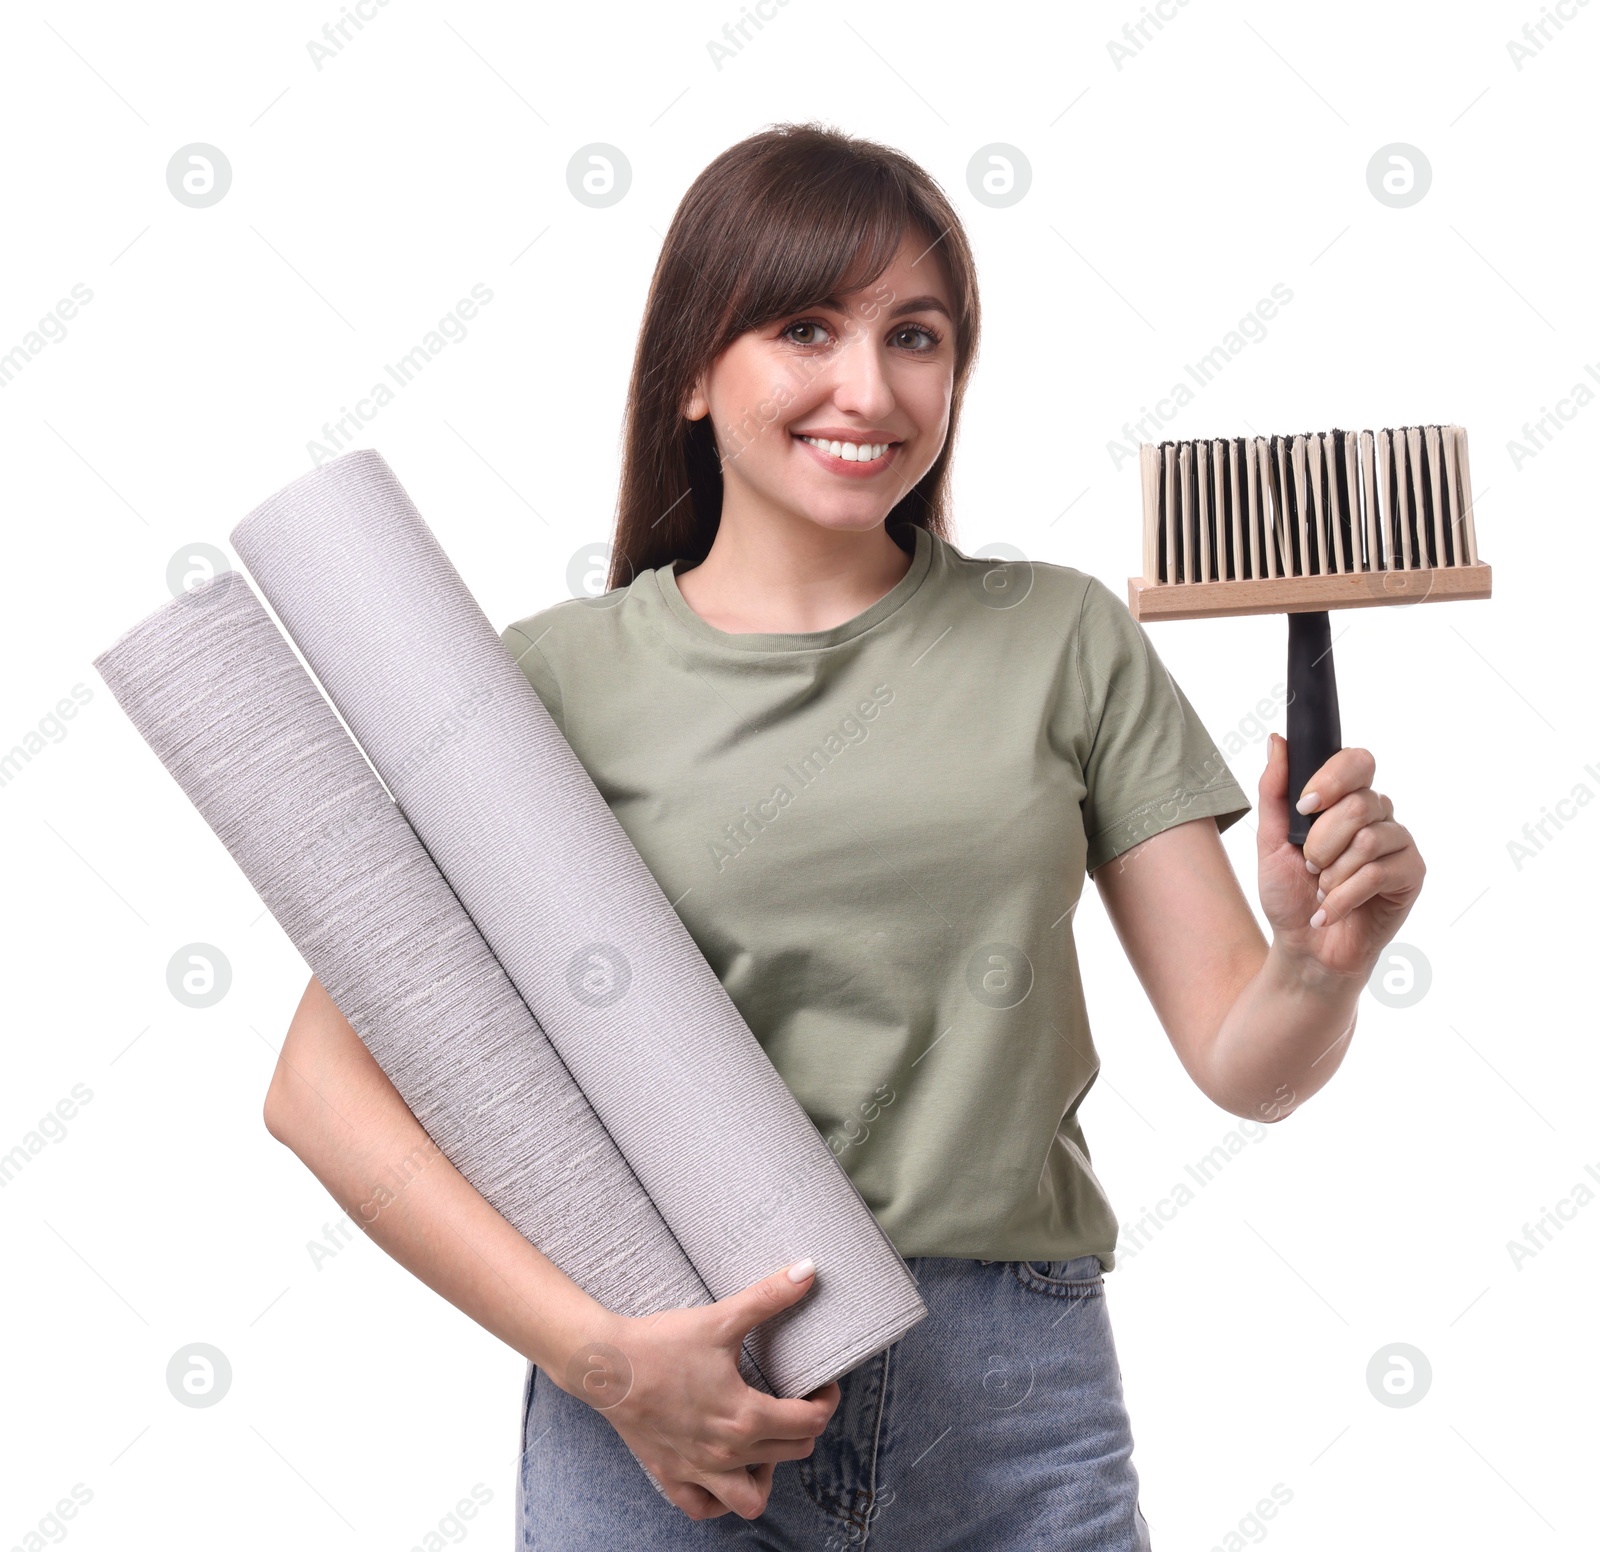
694, 1500
789, 1440
745, 1492
741, 1312
770, 1451
1335, 828
1345, 770
771, 1419
1369, 843
1272, 827
1393, 878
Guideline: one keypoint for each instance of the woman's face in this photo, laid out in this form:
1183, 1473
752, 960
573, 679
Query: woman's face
867, 373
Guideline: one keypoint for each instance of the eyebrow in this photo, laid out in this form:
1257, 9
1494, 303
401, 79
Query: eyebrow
916, 304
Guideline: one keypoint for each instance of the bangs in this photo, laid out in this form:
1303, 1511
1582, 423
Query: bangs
806, 239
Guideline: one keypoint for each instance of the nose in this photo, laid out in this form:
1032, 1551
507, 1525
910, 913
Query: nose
860, 381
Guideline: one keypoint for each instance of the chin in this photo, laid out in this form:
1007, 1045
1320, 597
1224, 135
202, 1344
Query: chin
847, 522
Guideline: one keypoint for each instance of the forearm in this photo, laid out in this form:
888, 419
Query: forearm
332, 1105
1283, 1038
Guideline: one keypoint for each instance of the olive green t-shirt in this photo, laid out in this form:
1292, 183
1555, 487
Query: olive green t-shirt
876, 834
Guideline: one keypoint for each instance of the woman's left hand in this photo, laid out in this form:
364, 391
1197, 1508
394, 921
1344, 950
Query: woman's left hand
1365, 864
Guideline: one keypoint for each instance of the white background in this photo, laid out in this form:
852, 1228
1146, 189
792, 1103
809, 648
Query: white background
1168, 196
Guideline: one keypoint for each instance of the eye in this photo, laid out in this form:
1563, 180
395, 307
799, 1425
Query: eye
931, 336
814, 324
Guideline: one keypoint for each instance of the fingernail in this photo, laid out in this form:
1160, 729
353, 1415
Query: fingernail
1307, 803
802, 1270
1311, 867
1319, 918
1320, 897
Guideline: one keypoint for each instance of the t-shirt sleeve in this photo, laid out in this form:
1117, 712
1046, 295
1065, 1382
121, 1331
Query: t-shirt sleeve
1149, 762
536, 666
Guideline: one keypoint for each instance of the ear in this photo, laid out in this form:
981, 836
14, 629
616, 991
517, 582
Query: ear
696, 406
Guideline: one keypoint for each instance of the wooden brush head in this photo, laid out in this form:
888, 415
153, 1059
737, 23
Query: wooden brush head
1322, 520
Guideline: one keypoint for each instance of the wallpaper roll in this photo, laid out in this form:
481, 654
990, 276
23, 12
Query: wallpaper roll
544, 868
215, 690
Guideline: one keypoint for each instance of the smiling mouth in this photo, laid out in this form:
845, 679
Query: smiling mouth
850, 452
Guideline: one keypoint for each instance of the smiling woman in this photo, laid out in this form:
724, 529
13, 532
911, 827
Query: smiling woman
783, 551
901, 944
783, 560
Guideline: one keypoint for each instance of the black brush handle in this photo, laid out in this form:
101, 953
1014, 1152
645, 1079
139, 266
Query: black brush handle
1313, 710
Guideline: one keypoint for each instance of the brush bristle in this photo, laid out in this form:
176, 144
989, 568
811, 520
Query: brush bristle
1317, 504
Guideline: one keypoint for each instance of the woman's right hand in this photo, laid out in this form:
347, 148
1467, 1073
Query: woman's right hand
670, 1385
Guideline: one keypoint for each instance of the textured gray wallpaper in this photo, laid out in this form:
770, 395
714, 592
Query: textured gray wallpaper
476, 764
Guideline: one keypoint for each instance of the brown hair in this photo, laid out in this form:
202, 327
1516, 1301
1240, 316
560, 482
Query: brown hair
775, 223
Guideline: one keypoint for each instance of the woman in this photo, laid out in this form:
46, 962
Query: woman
872, 774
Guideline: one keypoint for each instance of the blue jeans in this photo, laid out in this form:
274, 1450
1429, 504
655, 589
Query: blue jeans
996, 1422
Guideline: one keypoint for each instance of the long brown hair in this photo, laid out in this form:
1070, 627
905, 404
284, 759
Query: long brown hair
774, 224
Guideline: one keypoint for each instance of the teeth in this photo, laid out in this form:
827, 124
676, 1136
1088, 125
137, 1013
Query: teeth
850, 452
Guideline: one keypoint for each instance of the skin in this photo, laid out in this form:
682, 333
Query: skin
1259, 1026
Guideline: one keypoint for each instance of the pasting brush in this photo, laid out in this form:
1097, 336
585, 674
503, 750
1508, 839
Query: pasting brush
1300, 525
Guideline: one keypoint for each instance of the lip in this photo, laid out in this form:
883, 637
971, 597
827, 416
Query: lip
838, 466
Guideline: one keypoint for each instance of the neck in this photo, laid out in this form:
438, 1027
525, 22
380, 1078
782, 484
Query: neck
777, 577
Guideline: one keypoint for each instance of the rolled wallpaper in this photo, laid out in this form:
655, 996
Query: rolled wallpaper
736, 1168
219, 695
